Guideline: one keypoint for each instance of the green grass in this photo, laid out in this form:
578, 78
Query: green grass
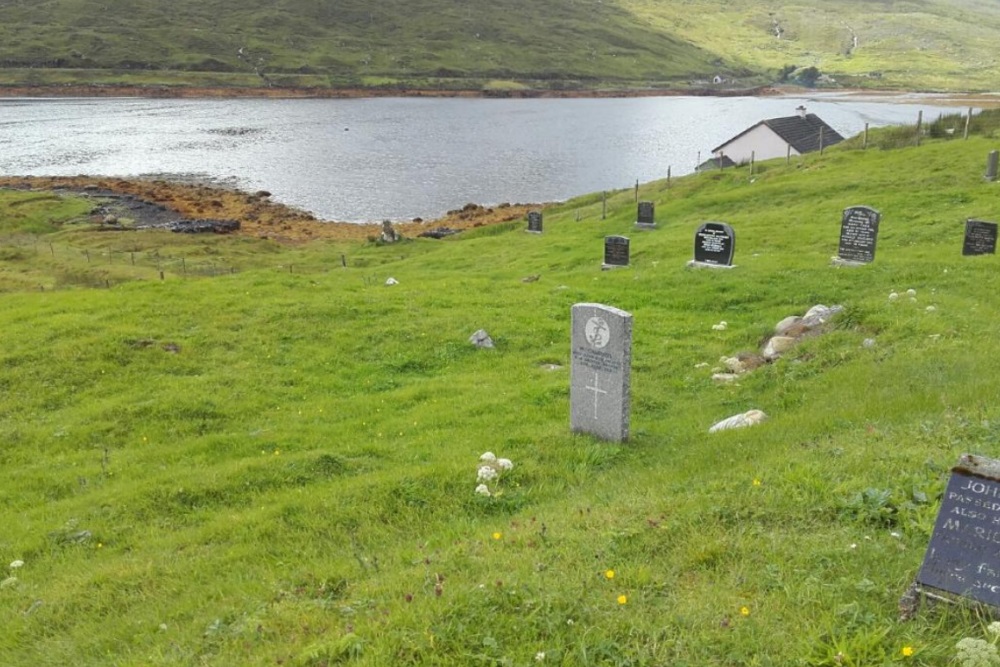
428, 44
277, 466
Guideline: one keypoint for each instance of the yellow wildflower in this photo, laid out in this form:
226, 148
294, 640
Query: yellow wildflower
610, 574
622, 599
497, 536
744, 611
907, 651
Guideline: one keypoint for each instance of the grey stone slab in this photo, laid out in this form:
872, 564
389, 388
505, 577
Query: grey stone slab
601, 370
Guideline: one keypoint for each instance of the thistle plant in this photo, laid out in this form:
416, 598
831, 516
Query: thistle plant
489, 473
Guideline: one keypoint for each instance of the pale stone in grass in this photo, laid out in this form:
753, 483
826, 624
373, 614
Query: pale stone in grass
782, 327
481, 339
391, 281
776, 346
749, 418
600, 375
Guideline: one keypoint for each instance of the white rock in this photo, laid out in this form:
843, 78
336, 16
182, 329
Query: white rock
391, 281
481, 339
820, 314
748, 418
776, 346
782, 327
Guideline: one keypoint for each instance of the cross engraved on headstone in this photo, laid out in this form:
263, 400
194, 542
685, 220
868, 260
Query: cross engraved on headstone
597, 392
600, 374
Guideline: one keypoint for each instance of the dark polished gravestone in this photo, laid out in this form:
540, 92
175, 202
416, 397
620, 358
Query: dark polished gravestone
535, 222
963, 556
600, 371
646, 215
858, 235
980, 238
714, 245
616, 251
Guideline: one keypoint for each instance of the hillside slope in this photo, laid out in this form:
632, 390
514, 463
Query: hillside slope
226, 451
562, 43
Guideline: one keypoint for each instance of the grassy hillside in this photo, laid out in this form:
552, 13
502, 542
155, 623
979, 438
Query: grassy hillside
560, 43
277, 466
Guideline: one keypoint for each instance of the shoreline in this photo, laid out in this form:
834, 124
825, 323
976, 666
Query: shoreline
259, 217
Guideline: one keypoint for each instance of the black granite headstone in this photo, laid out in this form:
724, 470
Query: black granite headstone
535, 222
963, 556
616, 251
980, 238
714, 243
646, 216
858, 234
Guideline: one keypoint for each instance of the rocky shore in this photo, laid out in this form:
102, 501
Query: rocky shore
161, 203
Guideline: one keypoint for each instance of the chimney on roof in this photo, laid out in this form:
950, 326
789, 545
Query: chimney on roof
802, 111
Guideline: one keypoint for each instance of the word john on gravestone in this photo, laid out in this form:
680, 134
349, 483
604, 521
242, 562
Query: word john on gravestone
858, 234
535, 222
616, 251
963, 556
980, 238
714, 244
600, 374
646, 215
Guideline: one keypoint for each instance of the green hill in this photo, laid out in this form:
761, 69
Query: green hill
507, 44
278, 465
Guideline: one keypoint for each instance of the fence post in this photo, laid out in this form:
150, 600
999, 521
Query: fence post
968, 119
864, 146
920, 122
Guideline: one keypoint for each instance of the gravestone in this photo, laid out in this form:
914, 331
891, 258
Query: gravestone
980, 238
616, 251
714, 245
963, 556
991, 165
646, 217
600, 375
535, 222
858, 234
389, 234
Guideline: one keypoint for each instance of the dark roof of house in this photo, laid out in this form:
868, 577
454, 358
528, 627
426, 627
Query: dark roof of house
801, 132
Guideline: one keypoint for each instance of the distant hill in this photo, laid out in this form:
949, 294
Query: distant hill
502, 44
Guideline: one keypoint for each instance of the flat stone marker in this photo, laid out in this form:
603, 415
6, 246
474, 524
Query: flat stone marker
858, 234
616, 251
963, 556
535, 222
980, 238
714, 245
600, 375
646, 216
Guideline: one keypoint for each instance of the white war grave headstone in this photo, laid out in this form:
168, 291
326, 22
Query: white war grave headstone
600, 375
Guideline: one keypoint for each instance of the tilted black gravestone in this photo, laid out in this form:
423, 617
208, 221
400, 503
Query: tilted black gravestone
963, 556
646, 215
535, 222
714, 244
980, 238
616, 251
858, 234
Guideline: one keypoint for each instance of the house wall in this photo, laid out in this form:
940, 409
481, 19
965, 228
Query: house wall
761, 140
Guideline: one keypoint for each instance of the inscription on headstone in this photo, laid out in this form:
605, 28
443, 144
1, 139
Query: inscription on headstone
858, 234
616, 251
600, 374
535, 222
980, 238
963, 556
714, 244
646, 215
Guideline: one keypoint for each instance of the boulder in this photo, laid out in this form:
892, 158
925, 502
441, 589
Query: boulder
782, 328
748, 418
481, 339
776, 346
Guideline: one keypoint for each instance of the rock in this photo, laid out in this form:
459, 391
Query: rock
782, 327
438, 232
531, 279
725, 377
734, 364
751, 360
776, 346
391, 281
389, 234
481, 339
749, 418
204, 226
820, 314
868, 343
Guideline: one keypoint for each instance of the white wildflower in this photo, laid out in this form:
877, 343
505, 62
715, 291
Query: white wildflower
540, 656
486, 474
854, 545
911, 292
488, 456
993, 628
505, 464
893, 296
16, 564
896, 534
483, 490
976, 653
8, 582
391, 281
931, 309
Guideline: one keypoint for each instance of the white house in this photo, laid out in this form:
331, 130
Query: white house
775, 137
